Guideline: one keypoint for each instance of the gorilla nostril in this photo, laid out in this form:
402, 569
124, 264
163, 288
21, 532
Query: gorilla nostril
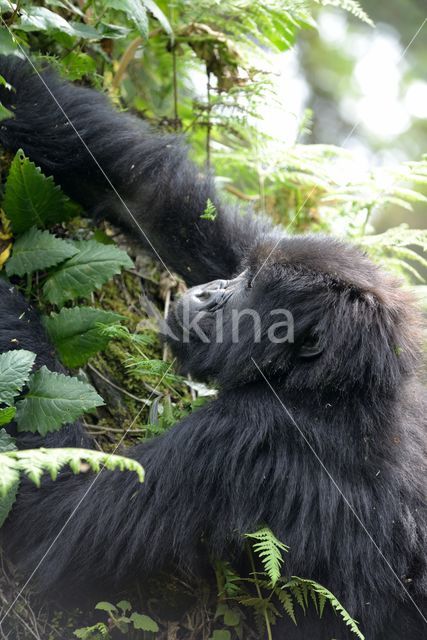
203, 294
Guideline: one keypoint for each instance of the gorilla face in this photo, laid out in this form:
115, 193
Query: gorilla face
316, 315
216, 329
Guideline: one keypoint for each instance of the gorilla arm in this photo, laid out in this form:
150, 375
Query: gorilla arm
117, 167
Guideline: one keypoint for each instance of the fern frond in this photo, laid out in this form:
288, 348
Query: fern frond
352, 6
35, 462
269, 550
285, 598
309, 586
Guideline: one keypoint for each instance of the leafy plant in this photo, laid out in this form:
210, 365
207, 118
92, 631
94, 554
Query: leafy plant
38, 250
78, 333
269, 550
274, 592
50, 399
32, 199
92, 266
34, 463
119, 618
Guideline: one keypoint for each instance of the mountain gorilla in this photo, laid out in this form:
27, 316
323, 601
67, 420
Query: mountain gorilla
321, 438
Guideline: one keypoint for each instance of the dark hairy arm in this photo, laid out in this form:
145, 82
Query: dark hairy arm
118, 167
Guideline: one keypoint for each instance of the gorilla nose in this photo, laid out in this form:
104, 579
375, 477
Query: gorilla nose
209, 292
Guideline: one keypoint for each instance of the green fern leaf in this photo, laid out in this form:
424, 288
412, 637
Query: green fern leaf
269, 550
285, 597
311, 585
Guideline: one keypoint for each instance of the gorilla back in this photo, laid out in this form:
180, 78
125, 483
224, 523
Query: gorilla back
321, 438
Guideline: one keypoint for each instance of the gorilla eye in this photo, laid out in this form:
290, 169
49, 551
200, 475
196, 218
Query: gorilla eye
249, 284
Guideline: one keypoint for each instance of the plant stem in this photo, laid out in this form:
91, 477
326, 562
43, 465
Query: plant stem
266, 618
209, 125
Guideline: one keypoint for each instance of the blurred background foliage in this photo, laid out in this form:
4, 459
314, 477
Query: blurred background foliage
314, 111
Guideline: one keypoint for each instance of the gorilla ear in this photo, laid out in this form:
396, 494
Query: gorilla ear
311, 347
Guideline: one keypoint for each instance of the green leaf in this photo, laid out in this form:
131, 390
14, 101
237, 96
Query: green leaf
5, 114
6, 416
35, 462
135, 11
157, 13
232, 618
210, 212
77, 65
77, 333
7, 443
106, 606
88, 270
52, 400
7, 43
36, 250
124, 606
221, 634
143, 622
42, 19
15, 367
7, 500
269, 550
31, 199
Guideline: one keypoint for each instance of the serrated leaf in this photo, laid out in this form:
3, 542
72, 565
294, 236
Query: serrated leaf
52, 400
36, 250
78, 334
143, 622
89, 269
6, 416
15, 368
7, 443
32, 199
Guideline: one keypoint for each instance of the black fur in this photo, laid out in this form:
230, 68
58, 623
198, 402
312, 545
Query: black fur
241, 461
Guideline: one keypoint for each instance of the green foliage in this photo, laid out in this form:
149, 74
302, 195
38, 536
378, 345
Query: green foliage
31, 199
352, 6
396, 249
89, 269
301, 589
269, 549
6, 416
52, 400
274, 592
135, 11
210, 212
7, 443
34, 463
78, 333
15, 368
119, 618
38, 250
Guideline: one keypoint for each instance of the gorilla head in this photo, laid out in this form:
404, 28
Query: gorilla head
311, 310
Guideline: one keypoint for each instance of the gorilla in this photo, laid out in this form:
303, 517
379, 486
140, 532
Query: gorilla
321, 438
